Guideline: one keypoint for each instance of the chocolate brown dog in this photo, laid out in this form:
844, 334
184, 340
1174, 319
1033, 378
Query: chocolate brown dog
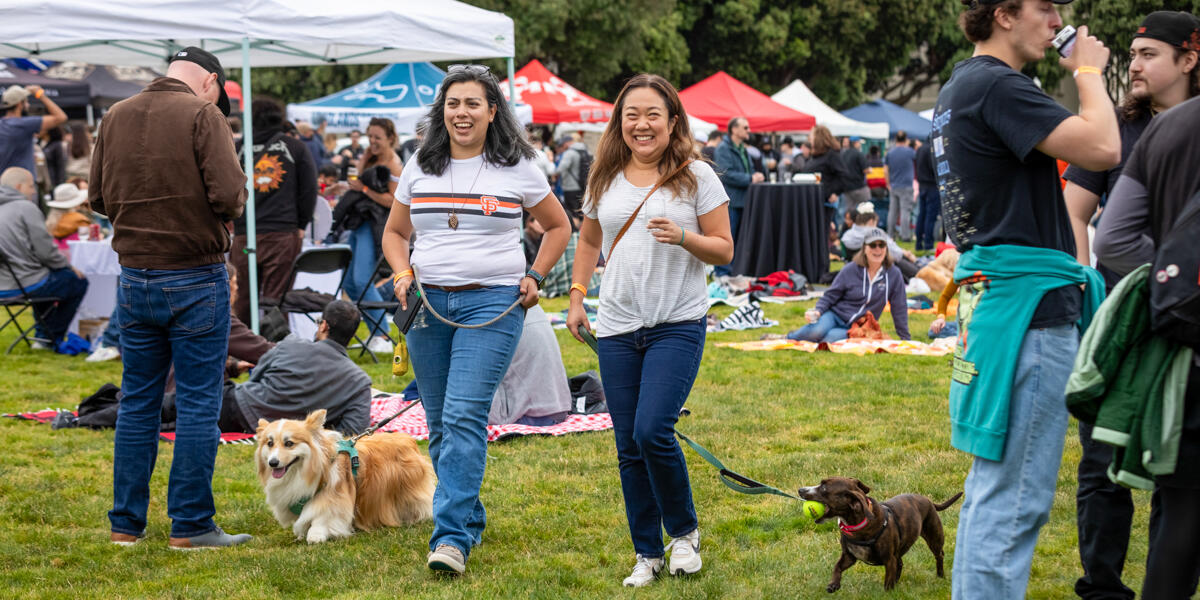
878, 533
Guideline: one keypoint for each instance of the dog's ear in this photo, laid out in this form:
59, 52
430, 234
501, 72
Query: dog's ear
262, 424
862, 486
316, 419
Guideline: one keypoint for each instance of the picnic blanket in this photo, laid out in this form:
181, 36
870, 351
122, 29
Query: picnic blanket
47, 416
384, 405
860, 347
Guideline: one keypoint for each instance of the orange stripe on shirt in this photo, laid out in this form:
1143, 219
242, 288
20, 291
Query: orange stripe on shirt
461, 201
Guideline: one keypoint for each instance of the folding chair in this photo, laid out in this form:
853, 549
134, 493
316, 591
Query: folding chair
363, 306
15, 306
318, 260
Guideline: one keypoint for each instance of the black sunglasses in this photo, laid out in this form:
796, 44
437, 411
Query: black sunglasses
477, 70
877, 245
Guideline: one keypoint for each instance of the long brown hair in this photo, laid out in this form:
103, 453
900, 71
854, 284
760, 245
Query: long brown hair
613, 154
860, 258
822, 140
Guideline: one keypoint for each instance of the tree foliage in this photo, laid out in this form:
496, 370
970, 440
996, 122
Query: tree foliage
300, 84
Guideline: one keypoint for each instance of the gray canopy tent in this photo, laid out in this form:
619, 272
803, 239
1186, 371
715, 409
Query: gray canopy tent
253, 33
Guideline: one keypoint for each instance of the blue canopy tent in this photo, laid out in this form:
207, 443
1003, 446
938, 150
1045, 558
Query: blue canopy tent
896, 116
401, 92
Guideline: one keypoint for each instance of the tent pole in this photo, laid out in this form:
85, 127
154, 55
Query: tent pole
248, 166
512, 88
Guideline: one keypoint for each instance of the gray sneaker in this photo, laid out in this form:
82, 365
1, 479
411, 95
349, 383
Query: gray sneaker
209, 541
447, 559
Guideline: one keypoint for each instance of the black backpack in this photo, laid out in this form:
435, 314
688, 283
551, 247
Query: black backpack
585, 166
1175, 280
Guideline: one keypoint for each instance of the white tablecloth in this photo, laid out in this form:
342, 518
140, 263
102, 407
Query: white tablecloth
98, 262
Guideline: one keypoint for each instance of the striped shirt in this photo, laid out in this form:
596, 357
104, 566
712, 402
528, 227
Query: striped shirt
485, 201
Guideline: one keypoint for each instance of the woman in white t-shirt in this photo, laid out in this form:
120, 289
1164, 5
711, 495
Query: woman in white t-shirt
652, 304
462, 194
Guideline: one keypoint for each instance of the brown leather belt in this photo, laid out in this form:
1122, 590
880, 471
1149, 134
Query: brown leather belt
452, 288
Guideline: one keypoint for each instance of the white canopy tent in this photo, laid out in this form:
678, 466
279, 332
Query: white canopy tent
253, 33
797, 96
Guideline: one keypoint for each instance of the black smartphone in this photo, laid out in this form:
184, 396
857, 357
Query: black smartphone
404, 317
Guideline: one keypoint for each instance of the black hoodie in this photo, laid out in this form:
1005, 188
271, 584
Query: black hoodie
285, 184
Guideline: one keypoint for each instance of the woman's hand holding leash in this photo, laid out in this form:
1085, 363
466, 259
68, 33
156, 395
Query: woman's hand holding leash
577, 318
529, 292
402, 281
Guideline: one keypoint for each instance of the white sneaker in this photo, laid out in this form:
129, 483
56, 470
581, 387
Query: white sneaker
104, 353
644, 571
380, 345
685, 554
39, 345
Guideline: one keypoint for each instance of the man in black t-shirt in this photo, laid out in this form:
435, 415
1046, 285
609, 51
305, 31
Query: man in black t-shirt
1151, 194
857, 191
1164, 73
995, 139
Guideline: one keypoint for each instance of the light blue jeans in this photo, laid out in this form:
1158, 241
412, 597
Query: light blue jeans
362, 263
457, 372
828, 328
1007, 502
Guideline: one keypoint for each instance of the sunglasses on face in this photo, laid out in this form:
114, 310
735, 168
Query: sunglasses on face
877, 245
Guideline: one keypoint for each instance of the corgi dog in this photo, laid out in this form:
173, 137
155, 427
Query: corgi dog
310, 484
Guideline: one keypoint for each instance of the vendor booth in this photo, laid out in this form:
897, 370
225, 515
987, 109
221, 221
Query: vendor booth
797, 95
720, 97
897, 117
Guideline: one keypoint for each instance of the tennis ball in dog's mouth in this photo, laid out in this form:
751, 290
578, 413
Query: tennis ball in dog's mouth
815, 510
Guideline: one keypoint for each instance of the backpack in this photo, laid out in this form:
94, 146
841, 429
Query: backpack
584, 168
1175, 280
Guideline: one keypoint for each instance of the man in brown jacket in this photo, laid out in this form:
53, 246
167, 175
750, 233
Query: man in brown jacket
165, 172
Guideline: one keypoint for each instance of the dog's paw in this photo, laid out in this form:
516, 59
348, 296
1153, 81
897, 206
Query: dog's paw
833, 587
317, 535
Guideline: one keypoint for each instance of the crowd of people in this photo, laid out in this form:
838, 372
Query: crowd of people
657, 209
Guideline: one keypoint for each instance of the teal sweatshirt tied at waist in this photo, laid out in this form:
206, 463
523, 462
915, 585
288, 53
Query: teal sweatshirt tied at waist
1006, 284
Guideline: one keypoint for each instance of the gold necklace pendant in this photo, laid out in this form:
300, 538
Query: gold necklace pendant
453, 221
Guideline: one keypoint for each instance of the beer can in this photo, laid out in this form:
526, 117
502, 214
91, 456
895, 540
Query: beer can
94, 232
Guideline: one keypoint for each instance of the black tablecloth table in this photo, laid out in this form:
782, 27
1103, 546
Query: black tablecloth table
784, 226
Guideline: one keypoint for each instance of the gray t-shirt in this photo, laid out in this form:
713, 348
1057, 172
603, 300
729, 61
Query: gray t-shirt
649, 283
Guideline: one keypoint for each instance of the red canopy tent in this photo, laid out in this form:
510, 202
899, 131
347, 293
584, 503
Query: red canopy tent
720, 97
554, 100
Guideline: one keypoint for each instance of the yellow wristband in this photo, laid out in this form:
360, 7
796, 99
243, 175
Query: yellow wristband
580, 287
401, 275
1082, 70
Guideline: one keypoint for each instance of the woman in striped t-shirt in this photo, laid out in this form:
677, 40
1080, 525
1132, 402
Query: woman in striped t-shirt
463, 194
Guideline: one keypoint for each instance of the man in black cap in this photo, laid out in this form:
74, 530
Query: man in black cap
995, 139
1163, 73
165, 172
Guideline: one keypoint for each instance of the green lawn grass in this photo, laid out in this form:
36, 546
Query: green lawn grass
556, 523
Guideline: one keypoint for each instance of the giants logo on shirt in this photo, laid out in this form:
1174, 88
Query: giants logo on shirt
489, 204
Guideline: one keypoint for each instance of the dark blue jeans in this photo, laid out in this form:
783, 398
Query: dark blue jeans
112, 331
170, 316
647, 376
70, 288
927, 214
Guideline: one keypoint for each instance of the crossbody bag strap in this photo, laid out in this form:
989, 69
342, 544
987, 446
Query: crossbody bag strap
637, 210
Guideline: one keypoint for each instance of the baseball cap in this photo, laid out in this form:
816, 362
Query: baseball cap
209, 63
13, 96
1178, 29
874, 235
564, 140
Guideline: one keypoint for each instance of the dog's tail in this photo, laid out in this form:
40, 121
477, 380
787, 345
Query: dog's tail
946, 504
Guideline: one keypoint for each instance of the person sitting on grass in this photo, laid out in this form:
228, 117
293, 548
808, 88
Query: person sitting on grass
867, 220
866, 284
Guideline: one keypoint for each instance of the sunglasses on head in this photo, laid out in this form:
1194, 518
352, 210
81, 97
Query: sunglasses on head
479, 70
877, 245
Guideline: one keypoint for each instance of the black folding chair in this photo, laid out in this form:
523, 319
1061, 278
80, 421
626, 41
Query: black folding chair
315, 261
15, 306
378, 276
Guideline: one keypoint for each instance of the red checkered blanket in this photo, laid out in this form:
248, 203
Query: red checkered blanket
46, 416
413, 421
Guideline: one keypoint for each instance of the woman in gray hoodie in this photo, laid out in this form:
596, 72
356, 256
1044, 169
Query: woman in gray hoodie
867, 283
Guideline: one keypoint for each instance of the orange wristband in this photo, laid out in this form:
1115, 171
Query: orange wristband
38, 94
580, 287
1087, 69
401, 275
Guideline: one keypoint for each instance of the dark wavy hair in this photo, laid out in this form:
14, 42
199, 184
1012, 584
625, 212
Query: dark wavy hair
266, 114
612, 154
504, 145
976, 22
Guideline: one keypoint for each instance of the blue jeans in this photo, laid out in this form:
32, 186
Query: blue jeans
112, 331
1007, 502
927, 214
735, 221
647, 376
457, 372
69, 288
166, 316
828, 328
362, 265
